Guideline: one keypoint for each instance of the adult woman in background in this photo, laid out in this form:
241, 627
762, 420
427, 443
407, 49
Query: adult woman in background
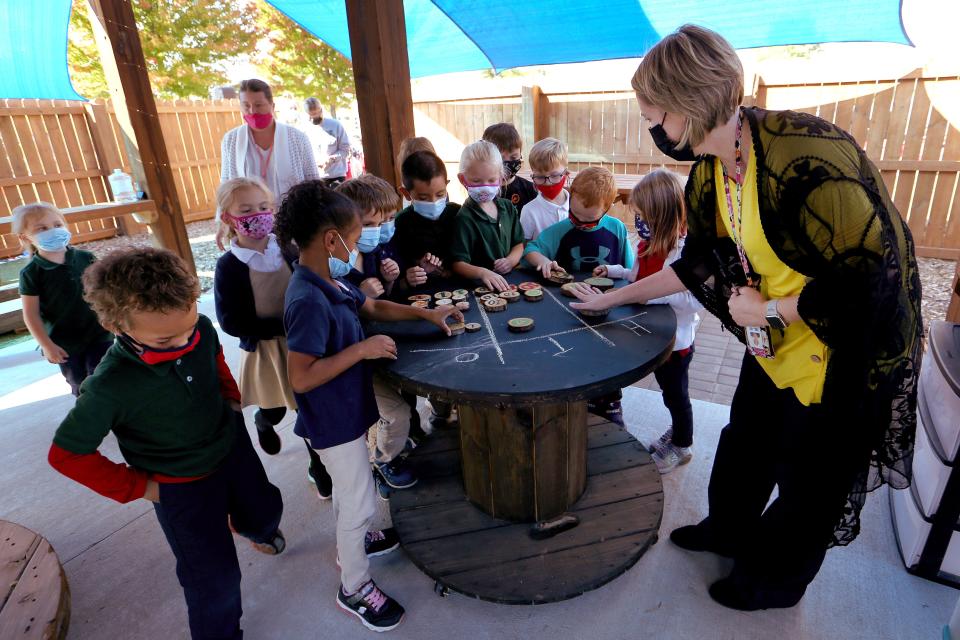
794, 244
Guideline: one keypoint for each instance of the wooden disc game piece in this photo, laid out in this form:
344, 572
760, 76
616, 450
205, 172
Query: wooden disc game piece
460, 292
463, 305
489, 296
560, 276
567, 289
533, 295
495, 304
510, 296
512, 287
600, 283
472, 327
481, 291
520, 325
442, 295
593, 315
459, 297
456, 328
421, 296
527, 286
444, 302
421, 304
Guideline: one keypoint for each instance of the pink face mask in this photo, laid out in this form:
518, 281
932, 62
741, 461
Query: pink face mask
258, 120
256, 225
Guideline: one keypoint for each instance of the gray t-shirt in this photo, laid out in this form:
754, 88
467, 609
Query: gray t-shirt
330, 140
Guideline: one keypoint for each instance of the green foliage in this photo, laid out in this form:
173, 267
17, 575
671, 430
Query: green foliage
186, 44
297, 64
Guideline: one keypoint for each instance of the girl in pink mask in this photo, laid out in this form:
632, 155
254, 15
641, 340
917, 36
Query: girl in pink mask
280, 155
249, 287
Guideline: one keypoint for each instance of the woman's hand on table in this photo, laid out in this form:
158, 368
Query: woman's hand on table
591, 299
389, 269
548, 267
494, 281
379, 346
748, 307
439, 316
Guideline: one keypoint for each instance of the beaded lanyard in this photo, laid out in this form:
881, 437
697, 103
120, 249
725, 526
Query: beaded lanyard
738, 180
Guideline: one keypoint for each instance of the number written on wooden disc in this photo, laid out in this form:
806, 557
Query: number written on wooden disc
495, 304
527, 286
440, 295
472, 327
533, 295
510, 296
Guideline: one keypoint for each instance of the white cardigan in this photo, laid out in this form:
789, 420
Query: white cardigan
293, 160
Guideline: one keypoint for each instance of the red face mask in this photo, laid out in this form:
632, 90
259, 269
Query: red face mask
152, 356
551, 191
258, 120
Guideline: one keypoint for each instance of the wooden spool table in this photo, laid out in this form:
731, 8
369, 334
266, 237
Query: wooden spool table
524, 451
34, 594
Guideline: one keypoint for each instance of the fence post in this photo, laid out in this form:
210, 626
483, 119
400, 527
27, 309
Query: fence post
953, 311
755, 94
531, 116
101, 131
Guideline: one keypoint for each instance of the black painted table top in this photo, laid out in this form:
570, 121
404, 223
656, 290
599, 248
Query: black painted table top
564, 358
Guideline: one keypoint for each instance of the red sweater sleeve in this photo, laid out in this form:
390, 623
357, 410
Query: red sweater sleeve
94, 470
228, 386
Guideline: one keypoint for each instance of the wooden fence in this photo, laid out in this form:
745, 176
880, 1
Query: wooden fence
62, 152
909, 126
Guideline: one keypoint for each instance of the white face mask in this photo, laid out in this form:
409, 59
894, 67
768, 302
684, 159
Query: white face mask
483, 192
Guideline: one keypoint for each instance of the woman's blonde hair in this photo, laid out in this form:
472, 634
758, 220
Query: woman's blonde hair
693, 72
658, 199
227, 194
481, 152
25, 212
409, 146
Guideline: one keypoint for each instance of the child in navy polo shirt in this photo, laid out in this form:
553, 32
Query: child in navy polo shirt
374, 274
333, 383
165, 392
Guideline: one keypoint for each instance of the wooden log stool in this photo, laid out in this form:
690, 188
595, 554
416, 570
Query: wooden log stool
34, 594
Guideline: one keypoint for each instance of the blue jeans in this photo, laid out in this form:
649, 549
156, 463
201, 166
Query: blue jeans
193, 516
674, 382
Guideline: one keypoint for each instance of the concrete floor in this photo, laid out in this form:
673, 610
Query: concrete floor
123, 584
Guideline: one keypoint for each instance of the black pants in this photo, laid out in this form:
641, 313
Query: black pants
273, 416
193, 516
773, 439
673, 380
82, 364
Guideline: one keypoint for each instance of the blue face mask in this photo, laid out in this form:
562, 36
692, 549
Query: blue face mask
386, 231
339, 268
369, 239
55, 239
430, 210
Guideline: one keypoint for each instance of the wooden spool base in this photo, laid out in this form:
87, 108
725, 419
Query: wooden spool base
34, 594
467, 551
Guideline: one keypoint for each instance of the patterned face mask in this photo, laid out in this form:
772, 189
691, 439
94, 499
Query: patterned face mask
255, 225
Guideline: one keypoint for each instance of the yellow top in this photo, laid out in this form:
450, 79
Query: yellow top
800, 359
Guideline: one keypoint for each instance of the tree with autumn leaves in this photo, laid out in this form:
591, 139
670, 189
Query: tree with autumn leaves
189, 45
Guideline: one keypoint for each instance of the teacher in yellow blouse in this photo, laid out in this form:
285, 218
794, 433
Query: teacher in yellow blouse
794, 244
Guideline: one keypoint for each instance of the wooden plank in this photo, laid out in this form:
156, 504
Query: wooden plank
616, 457
85, 213
55, 134
912, 145
17, 546
879, 122
929, 222
31, 156
98, 190
39, 606
68, 128
47, 159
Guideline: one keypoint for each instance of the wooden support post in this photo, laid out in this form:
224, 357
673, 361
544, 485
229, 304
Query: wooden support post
953, 311
532, 114
381, 73
101, 130
126, 73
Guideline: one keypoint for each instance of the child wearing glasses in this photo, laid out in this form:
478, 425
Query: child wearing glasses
548, 164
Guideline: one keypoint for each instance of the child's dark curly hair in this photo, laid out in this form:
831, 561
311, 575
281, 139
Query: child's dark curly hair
310, 208
128, 281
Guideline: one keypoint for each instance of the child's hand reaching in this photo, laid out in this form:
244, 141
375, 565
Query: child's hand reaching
600, 272
547, 268
416, 276
430, 263
502, 266
439, 317
389, 269
494, 281
379, 346
54, 354
372, 287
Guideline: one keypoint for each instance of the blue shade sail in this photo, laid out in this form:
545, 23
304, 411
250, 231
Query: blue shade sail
33, 49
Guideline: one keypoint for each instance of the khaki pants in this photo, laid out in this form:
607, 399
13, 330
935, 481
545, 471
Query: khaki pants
387, 438
354, 506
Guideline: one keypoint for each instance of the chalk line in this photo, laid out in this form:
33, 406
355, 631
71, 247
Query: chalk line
609, 342
486, 322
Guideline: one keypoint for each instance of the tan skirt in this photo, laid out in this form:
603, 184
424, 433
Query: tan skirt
263, 376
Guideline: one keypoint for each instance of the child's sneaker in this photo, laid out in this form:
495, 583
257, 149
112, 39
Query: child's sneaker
266, 434
317, 474
383, 489
274, 546
669, 457
614, 412
376, 610
380, 543
664, 440
396, 474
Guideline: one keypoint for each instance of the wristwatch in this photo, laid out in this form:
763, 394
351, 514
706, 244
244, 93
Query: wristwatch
774, 319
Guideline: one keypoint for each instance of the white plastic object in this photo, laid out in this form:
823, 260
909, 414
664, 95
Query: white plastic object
121, 185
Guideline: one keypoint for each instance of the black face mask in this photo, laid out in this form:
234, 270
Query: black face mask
317, 120
512, 166
667, 147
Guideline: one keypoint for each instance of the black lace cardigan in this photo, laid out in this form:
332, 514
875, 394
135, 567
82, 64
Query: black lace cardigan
826, 214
